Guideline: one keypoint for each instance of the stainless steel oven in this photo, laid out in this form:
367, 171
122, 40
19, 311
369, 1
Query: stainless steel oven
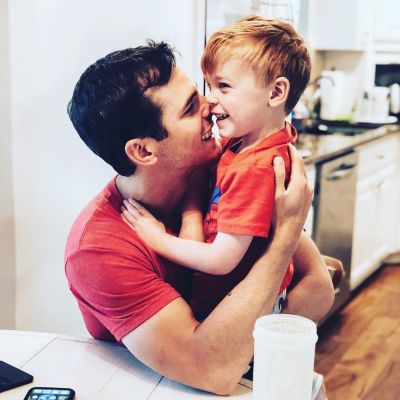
334, 204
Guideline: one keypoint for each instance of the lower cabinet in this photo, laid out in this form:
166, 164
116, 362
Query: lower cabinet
375, 221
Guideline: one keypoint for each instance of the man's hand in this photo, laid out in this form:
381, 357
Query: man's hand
291, 204
142, 222
335, 268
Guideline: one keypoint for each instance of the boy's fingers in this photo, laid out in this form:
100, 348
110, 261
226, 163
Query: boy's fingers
125, 217
132, 209
138, 206
279, 169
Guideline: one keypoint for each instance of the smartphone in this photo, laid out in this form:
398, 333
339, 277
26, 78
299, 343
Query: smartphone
49, 393
12, 377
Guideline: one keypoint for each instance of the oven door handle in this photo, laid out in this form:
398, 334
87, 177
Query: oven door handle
340, 174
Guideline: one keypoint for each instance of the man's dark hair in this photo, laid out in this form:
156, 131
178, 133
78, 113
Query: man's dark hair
109, 106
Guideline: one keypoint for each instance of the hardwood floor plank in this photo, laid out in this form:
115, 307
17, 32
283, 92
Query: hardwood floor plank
363, 363
357, 347
387, 386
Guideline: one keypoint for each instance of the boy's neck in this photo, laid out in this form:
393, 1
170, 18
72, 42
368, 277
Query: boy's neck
253, 139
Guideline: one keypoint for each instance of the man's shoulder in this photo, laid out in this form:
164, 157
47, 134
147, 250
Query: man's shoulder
99, 226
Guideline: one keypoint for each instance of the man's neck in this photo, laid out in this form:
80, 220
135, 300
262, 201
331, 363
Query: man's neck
160, 193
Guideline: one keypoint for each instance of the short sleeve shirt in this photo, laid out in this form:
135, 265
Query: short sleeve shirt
117, 280
242, 203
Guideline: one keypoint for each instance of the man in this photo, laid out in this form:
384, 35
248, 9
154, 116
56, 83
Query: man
144, 116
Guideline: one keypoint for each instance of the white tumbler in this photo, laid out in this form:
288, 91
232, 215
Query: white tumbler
284, 350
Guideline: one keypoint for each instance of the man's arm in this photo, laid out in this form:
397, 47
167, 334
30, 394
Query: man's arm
212, 355
312, 294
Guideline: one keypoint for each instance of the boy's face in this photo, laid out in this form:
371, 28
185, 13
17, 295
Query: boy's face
237, 99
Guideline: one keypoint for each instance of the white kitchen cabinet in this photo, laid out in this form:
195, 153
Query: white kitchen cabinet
387, 22
341, 24
375, 212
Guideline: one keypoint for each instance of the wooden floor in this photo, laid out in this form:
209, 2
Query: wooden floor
358, 351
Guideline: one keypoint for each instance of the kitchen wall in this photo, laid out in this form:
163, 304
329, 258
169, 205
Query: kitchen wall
7, 255
53, 173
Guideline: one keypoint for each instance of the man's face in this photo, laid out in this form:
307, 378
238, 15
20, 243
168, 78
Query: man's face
187, 118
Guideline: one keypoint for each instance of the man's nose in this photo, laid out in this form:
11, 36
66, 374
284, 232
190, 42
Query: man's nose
206, 109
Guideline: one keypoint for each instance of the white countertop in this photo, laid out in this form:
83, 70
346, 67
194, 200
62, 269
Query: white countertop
95, 370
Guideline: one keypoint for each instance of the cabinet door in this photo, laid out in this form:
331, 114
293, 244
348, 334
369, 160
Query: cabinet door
341, 24
364, 245
374, 224
384, 233
387, 22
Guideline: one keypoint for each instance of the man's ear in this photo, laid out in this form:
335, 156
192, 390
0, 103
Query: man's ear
280, 92
142, 151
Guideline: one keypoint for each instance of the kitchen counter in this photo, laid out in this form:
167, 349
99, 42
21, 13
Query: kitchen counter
322, 147
96, 370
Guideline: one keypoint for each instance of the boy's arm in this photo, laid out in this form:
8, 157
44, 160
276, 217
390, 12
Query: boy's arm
217, 258
312, 294
192, 225
193, 206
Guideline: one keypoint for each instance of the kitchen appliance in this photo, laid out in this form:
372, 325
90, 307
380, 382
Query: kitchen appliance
388, 75
375, 106
332, 94
395, 98
334, 203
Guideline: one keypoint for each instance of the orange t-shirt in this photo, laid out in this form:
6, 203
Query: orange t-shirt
242, 203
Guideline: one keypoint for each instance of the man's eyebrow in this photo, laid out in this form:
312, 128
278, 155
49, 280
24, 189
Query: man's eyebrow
189, 100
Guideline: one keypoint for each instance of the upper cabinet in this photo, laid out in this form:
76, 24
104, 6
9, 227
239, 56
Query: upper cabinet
354, 25
387, 25
341, 24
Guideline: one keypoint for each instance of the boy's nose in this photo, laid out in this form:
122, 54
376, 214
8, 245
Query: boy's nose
212, 100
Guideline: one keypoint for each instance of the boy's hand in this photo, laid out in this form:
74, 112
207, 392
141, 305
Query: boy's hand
142, 222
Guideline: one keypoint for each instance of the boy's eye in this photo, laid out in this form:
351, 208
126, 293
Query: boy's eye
223, 85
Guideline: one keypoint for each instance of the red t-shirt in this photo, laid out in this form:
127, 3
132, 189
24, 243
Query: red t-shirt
242, 203
118, 281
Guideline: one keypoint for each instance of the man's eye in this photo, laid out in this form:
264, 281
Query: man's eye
190, 109
193, 106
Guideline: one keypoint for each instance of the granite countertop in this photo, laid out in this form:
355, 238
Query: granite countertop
317, 148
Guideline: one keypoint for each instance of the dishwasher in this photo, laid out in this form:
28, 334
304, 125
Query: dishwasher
334, 203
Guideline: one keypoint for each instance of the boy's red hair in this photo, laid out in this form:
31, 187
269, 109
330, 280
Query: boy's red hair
271, 47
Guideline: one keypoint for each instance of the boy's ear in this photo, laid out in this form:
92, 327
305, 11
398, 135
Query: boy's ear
142, 151
280, 92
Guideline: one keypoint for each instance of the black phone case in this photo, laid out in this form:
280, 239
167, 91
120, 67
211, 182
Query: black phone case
11, 377
31, 392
